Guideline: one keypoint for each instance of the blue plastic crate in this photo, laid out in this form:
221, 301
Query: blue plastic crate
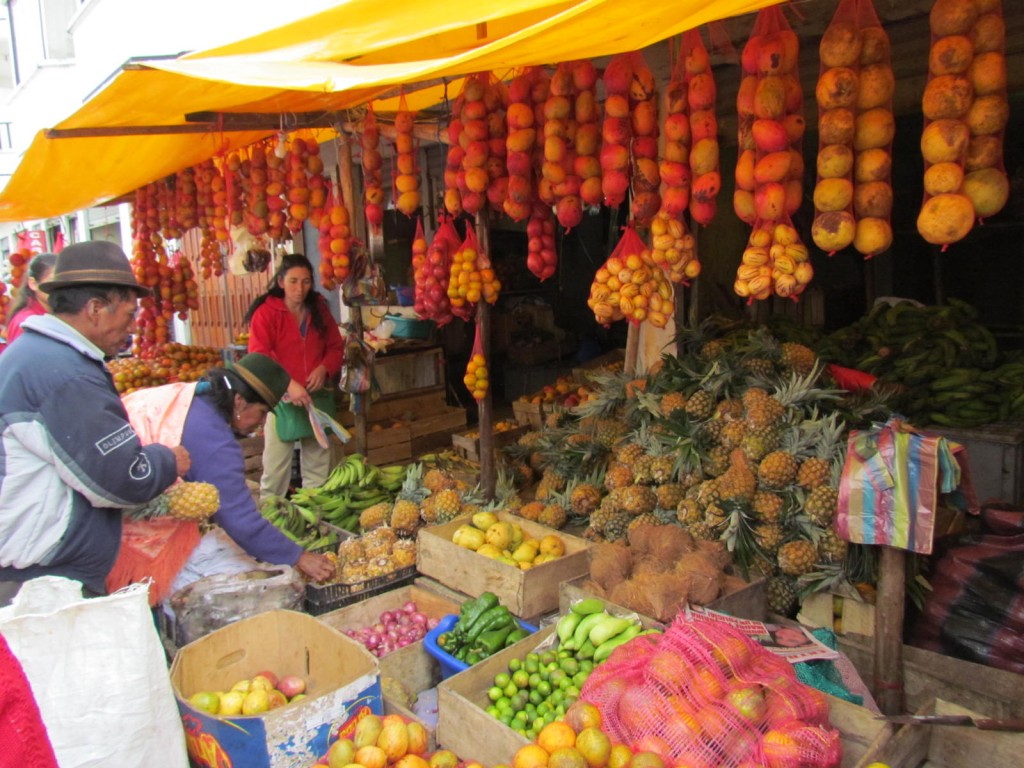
449, 664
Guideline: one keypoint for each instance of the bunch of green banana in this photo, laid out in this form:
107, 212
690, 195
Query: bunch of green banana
1010, 378
351, 487
909, 344
590, 632
298, 524
960, 397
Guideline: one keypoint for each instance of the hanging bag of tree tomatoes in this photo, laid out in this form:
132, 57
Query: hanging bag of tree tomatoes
477, 378
432, 277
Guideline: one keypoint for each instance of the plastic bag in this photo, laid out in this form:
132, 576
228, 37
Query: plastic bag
975, 610
891, 482
99, 674
216, 601
357, 373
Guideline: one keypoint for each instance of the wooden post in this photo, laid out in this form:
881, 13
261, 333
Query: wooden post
889, 608
361, 412
632, 348
485, 408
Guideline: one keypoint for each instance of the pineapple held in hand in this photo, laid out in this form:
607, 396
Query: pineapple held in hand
185, 501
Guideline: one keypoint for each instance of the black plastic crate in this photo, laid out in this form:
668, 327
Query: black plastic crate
325, 598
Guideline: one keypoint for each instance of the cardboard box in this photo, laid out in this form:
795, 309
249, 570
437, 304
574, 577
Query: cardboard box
342, 679
462, 702
527, 594
945, 747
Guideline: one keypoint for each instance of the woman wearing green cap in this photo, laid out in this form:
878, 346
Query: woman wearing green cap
224, 404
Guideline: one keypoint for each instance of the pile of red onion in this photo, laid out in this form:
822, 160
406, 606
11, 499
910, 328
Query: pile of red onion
394, 629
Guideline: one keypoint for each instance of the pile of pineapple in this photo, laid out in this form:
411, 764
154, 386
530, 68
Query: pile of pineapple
428, 497
738, 439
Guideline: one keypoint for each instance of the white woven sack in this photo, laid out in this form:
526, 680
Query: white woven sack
99, 674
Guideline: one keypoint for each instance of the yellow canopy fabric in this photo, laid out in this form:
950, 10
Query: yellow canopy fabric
330, 61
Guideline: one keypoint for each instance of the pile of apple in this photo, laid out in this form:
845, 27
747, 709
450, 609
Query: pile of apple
252, 696
386, 742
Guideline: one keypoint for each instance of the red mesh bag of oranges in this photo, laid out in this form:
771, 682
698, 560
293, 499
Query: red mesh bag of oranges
705, 695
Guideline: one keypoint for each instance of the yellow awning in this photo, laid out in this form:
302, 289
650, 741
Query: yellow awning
328, 62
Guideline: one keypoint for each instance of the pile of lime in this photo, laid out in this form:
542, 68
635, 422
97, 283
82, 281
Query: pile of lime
537, 690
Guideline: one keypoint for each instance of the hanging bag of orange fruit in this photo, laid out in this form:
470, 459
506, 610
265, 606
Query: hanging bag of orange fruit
432, 276
853, 195
335, 241
477, 378
373, 189
966, 111
472, 277
406, 167
630, 286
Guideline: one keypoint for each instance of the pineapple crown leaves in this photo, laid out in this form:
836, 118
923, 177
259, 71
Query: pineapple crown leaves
826, 577
739, 536
504, 486
412, 487
610, 389
803, 391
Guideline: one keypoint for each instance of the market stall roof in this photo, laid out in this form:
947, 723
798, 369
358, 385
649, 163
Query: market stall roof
158, 116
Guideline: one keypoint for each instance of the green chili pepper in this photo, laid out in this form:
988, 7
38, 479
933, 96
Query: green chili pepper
468, 616
493, 640
493, 618
515, 636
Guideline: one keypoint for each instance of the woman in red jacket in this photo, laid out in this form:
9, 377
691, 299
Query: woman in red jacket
31, 299
292, 324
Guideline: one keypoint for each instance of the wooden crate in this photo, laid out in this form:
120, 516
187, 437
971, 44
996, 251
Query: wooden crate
928, 675
402, 407
843, 615
746, 603
463, 725
386, 445
615, 357
527, 594
465, 728
409, 372
529, 413
467, 445
411, 667
366, 612
937, 746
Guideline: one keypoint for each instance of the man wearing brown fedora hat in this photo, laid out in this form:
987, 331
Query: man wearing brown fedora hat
69, 459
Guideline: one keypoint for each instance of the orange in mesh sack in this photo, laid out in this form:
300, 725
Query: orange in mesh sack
705, 695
